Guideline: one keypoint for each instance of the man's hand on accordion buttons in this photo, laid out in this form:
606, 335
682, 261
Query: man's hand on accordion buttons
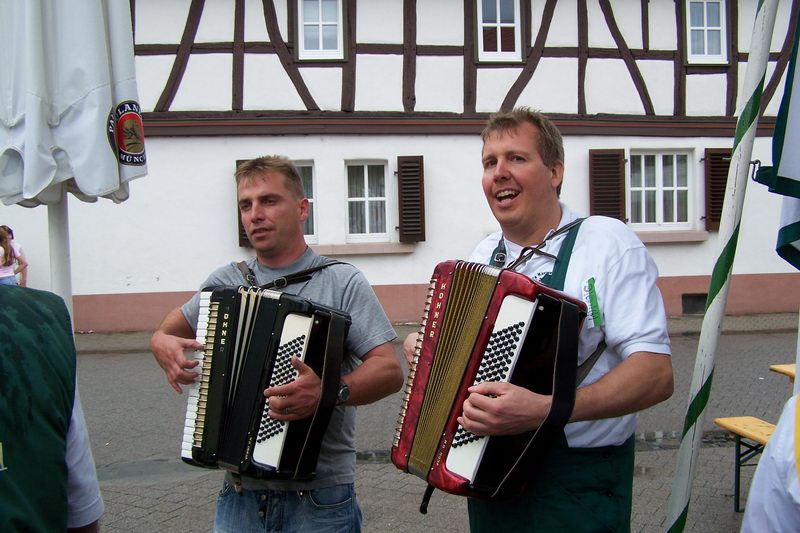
295, 400
168, 351
503, 409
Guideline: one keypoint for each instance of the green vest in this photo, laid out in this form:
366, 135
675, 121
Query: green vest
37, 390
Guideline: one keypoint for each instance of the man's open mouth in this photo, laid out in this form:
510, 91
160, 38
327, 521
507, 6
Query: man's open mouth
506, 195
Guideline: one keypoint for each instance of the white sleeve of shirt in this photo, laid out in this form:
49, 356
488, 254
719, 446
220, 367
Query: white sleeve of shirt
773, 503
85, 505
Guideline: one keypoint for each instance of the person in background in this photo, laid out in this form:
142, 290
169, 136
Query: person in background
48, 480
12, 261
773, 504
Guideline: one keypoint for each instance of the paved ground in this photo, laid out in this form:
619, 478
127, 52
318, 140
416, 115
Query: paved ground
135, 422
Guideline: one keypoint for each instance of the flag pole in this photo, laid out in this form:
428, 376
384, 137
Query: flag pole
678, 508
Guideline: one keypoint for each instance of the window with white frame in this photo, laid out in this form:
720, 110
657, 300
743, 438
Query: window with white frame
366, 202
499, 30
706, 38
306, 172
659, 191
320, 29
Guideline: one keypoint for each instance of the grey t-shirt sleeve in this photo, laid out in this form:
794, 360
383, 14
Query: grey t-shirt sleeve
370, 327
227, 275
85, 505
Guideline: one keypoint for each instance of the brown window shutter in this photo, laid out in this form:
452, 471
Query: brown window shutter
411, 198
717, 160
244, 242
607, 183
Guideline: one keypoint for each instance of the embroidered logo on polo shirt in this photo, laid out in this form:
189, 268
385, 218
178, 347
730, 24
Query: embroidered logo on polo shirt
126, 133
539, 276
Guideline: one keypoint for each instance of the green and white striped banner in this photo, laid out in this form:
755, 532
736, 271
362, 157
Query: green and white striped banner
678, 509
783, 177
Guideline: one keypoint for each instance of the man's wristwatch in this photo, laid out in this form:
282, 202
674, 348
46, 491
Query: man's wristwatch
344, 393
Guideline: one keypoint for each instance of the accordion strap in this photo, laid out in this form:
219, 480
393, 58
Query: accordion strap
279, 283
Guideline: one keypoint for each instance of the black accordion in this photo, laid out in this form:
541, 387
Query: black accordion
250, 335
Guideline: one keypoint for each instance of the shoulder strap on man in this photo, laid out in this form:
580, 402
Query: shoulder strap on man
556, 281
279, 283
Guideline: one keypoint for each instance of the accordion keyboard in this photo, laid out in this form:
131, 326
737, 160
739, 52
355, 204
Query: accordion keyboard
197, 392
272, 433
497, 364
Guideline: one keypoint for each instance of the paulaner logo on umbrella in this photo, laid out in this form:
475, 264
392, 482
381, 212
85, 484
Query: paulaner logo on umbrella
126, 133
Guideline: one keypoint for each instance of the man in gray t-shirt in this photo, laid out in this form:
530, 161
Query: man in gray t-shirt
273, 208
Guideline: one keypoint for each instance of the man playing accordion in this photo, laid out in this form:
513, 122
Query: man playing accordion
585, 481
273, 208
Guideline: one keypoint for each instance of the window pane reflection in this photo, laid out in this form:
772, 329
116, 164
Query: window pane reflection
376, 182
358, 222
377, 216
355, 182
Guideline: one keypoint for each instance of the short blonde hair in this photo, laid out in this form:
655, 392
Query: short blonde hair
550, 145
272, 163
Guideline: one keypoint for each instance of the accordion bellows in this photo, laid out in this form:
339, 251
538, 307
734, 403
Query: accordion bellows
482, 323
250, 336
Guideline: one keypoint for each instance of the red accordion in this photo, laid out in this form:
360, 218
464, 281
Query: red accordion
483, 323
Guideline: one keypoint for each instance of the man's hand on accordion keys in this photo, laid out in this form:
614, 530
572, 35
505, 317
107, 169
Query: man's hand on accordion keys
169, 353
295, 400
503, 409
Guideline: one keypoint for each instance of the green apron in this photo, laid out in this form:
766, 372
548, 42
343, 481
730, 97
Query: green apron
37, 389
575, 489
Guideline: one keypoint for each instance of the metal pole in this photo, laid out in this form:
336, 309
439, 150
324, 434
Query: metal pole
60, 262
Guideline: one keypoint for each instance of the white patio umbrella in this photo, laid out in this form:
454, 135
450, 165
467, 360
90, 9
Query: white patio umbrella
69, 117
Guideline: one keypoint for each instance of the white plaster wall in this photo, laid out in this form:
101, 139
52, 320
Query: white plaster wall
266, 84
439, 84
390, 15
206, 84
610, 89
440, 22
255, 27
563, 29
379, 83
628, 16
747, 11
554, 86
325, 85
705, 94
152, 73
492, 86
159, 22
659, 78
663, 28
216, 22
180, 221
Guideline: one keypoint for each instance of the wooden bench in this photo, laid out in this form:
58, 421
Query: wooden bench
750, 433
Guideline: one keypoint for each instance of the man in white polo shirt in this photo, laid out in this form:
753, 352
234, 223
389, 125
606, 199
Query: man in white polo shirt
585, 481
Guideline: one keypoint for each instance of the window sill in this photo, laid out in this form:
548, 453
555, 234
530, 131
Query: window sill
673, 236
363, 248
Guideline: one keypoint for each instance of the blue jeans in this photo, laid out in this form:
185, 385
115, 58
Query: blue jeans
329, 510
9, 280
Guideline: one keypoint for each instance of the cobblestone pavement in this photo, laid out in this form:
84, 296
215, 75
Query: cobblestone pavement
135, 422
